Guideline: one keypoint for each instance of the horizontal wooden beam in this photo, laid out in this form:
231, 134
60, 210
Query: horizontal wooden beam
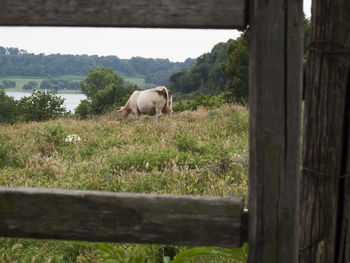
121, 217
124, 13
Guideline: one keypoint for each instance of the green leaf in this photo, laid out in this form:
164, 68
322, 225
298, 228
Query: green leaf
196, 252
239, 254
166, 259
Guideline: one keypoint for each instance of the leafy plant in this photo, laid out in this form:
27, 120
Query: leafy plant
5, 149
41, 106
239, 254
111, 254
104, 90
186, 142
7, 108
83, 110
206, 101
55, 134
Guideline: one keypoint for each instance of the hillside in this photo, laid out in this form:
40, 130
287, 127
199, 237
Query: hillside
201, 152
15, 62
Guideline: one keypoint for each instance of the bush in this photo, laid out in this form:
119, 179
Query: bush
186, 142
84, 109
104, 90
5, 149
41, 106
55, 134
7, 108
208, 101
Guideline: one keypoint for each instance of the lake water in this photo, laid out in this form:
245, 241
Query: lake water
71, 101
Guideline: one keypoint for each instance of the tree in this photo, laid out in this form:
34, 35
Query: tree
236, 68
8, 84
205, 76
41, 106
110, 97
99, 79
30, 85
104, 90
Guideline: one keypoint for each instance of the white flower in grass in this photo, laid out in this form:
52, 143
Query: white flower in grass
72, 138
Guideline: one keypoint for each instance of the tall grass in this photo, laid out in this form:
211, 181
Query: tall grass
201, 152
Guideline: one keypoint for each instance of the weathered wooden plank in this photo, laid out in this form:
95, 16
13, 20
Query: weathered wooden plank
124, 13
120, 217
344, 202
324, 201
274, 102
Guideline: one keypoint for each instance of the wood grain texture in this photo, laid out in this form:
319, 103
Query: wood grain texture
324, 201
121, 217
124, 13
275, 105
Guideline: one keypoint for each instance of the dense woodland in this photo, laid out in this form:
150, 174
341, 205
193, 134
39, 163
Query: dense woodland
223, 69
205, 75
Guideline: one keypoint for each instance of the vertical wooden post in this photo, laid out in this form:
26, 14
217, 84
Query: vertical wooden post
274, 101
324, 200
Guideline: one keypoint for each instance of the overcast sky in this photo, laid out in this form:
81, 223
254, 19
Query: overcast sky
174, 44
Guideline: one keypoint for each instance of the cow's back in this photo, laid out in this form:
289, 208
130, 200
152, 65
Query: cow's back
149, 100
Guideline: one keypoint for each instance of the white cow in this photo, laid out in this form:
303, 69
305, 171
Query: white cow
151, 102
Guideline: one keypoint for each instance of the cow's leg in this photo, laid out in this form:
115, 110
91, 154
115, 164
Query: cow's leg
158, 113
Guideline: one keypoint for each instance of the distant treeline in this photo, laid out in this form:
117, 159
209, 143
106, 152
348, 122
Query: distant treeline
7, 84
15, 62
52, 84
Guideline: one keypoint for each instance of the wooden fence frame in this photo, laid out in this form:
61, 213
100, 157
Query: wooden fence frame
275, 94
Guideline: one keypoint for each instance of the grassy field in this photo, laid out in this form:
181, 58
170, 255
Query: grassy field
204, 152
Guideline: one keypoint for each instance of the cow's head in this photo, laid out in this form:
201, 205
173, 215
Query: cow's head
124, 111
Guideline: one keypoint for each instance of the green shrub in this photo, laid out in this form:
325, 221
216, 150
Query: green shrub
55, 134
105, 89
186, 142
208, 101
83, 110
89, 149
41, 106
7, 108
240, 255
5, 149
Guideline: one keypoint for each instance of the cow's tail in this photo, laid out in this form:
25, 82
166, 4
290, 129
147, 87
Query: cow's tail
167, 91
168, 101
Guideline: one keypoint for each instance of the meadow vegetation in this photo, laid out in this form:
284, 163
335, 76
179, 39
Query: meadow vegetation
202, 152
